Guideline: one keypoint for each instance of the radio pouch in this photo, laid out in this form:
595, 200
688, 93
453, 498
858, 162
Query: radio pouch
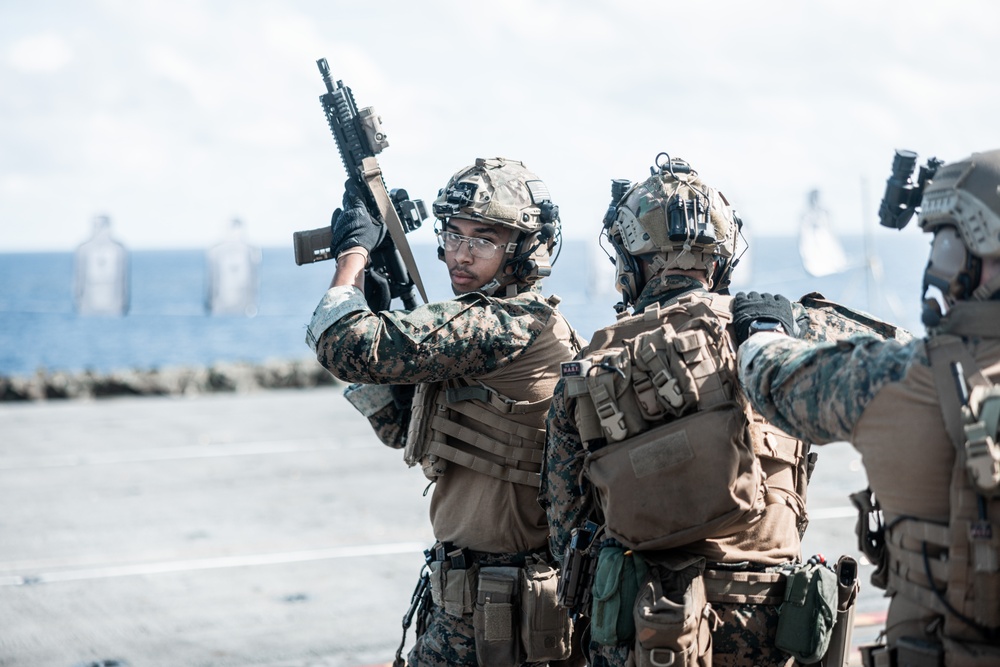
493, 618
672, 618
806, 618
545, 626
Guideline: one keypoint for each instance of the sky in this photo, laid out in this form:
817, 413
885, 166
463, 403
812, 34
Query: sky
175, 117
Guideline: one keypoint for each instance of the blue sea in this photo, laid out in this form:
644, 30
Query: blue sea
167, 326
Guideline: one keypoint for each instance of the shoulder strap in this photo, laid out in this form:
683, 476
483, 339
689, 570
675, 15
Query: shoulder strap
945, 350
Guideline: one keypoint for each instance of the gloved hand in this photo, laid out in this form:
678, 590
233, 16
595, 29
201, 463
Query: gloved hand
749, 308
353, 226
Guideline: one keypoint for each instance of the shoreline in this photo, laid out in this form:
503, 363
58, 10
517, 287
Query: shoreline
232, 377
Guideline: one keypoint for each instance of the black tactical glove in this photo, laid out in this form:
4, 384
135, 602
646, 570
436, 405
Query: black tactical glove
353, 226
755, 307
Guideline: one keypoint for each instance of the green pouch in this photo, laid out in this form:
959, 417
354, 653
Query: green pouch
806, 618
620, 573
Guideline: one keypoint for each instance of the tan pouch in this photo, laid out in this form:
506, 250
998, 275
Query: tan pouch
493, 618
643, 480
672, 620
546, 627
420, 418
452, 589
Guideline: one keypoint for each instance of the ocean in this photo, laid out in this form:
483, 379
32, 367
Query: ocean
167, 324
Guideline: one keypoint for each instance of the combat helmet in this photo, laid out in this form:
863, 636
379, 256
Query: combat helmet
961, 207
673, 220
504, 192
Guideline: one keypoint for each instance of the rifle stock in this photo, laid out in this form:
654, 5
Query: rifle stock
359, 138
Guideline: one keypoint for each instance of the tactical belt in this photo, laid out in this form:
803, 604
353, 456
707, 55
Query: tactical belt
461, 559
740, 587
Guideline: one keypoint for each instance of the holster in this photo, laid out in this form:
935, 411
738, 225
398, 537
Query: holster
838, 652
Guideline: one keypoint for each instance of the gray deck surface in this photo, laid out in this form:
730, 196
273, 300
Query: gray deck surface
268, 528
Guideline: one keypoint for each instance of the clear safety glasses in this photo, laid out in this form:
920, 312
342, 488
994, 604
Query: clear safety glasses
481, 248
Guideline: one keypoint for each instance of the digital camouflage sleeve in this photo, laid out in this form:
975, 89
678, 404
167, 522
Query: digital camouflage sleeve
817, 391
469, 336
560, 494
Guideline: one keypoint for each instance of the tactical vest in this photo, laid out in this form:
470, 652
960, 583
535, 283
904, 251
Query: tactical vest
673, 451
480, 426
942, 555
962, 558
476, 427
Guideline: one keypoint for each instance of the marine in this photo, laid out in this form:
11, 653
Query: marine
463, 387
690, 562
923, 415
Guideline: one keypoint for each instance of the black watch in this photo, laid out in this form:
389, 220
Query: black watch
766, 325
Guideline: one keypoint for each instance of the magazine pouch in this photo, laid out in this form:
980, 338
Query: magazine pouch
493, 618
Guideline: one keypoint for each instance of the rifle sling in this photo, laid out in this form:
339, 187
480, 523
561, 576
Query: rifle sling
372, 174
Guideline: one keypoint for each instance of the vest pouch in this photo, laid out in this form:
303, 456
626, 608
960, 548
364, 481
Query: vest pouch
420, 417
617, 579
451, 589
493, 619
663, 488
806, 617
672, 620
545, 626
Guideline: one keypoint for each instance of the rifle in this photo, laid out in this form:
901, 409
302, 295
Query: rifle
360, 138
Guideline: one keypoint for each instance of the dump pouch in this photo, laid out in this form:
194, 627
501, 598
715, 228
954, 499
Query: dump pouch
493, 618
672, 619
545, 626
806, 618
676, 465
619, 575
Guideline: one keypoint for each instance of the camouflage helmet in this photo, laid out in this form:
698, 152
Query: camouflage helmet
966, 195
498, 191
961, 207
504, 192
673, 220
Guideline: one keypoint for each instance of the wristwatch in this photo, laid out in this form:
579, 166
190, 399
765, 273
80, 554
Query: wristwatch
766, 325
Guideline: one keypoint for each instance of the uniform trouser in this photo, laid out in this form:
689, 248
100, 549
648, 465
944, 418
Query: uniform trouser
744, 637
450, 640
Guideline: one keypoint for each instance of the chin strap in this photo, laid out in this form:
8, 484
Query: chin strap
986, 290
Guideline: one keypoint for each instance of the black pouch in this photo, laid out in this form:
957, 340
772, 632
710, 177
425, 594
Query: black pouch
493, 619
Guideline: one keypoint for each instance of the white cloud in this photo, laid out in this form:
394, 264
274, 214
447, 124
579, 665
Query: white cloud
43, 52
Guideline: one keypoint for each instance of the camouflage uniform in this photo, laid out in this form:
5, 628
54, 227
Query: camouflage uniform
475, 338
882, 396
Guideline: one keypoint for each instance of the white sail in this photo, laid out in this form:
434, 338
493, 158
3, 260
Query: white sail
821, 252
